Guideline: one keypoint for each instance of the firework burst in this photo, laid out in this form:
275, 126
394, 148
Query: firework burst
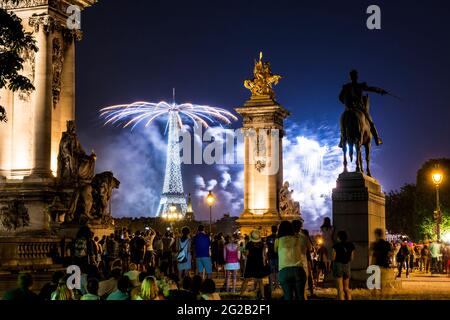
139, 112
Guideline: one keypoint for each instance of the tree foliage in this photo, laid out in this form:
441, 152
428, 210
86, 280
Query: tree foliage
14, 42
410, 210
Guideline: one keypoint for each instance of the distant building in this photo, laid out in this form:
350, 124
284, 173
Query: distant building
226, 225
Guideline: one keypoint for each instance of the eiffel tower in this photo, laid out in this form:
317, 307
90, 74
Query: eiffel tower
173, 193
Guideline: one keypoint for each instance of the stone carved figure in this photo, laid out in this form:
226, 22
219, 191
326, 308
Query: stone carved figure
90, 201
15, 215
287, 204
73, 162
103, 185
263, 79
357, 126
57, 65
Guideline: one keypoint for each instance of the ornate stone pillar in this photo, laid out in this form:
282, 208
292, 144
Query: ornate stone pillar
42, 106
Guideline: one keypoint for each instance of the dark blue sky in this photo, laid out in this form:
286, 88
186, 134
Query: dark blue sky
136, 49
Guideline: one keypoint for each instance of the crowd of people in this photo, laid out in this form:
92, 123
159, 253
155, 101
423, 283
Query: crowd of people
182, 265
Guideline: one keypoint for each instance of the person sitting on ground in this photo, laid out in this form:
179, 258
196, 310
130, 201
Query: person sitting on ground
106, 287
92, 290
62, 291
197, 282
121, 293
133, 275
136, 291
149, 290
208, 290
184, 293
23, 292
50, 287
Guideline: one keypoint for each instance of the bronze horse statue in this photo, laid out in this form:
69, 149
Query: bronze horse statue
355, 133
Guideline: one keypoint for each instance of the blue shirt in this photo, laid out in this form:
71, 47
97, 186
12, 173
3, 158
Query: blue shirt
118, 295
201, 245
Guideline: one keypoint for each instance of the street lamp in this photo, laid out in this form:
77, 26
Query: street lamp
210, 200
437, 177
172, 215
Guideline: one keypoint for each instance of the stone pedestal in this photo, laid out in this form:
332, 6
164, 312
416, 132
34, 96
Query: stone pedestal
359, 209
263, 163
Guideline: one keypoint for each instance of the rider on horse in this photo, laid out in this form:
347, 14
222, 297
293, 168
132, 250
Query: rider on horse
352, 97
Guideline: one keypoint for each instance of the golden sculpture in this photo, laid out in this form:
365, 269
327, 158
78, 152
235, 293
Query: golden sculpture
263, 80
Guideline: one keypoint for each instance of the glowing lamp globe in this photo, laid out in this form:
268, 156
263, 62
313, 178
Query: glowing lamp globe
437, 177
210, 198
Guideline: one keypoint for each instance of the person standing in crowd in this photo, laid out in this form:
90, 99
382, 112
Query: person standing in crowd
417, 257
343, 253
254, 267
403, 258
149, 252
425, 254
243, 261
272, 256
81, 247
220, 258
184, 257
327, 231
137, 248
23, 292
158, 247
231, 256
215, 251
125, 252
202, 244
305, 246
436, 256
381, 255
112, 249
167, 241
309, 255
291, 262
322, 258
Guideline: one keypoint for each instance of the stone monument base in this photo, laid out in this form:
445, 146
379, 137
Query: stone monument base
70, 231
359, 209
263, 222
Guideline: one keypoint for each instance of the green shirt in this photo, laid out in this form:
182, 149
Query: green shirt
291, 251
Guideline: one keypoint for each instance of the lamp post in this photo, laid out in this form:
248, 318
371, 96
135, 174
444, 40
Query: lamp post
172, 216
210, 200
437, 177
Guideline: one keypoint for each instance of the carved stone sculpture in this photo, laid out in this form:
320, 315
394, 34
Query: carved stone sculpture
90, 201
287, 204
15, 215
73, 162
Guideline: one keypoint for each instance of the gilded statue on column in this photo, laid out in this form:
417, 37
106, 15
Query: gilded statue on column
263, 79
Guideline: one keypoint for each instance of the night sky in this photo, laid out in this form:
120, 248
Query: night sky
139, 50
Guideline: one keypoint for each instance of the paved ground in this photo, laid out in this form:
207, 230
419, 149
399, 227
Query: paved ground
419, 286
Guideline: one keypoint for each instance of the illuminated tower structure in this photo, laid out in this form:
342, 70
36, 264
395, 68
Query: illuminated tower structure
190, 216
173, 193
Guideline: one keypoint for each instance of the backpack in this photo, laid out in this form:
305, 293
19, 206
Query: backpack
80, 248
182, 254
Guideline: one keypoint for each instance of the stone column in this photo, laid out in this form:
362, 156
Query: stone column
42, 106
